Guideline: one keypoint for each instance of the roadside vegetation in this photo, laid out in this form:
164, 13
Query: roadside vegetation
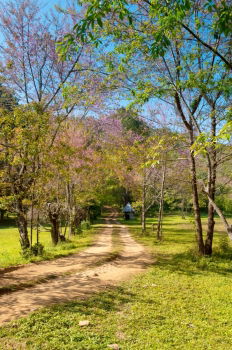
11, 255
182, 301
145, 119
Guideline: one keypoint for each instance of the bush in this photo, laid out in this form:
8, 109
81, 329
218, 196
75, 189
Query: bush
224, 245
26, 253
37, 249
79, 229
85, 225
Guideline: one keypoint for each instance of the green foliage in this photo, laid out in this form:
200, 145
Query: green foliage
79, 230
170, 18
10, 254
26, 253
224, 245
7, 99
131, 122
85, 225
224, 202
37, 249
23, 132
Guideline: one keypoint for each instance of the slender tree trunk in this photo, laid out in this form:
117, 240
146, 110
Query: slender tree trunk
71, 209
54, 214
2, 212
212, 172
37, 228
143, 219
65, 228
143, 213
22, 225
210, 230
72, 228
183, 209
32, 218
161, 205
196, 206
211, 222
227, 226
55, 230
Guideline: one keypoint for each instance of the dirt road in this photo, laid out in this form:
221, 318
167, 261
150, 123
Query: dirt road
83, 278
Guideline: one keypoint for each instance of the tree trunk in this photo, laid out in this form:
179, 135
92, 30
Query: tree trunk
37, 228
143, 213
2, 212
212, 173
71, 225
183, 209
161, 206
22, 227
143, 219
55, 230
71, 209
196, 207
227, 226
32, 218
210, 231
54, 214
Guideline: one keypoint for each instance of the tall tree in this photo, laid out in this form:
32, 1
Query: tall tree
178, 50
22, 135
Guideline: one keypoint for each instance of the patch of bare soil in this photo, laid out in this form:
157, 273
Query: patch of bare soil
82, 280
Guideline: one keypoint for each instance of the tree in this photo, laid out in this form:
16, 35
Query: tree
183, 67
171, 18
30, 65
7, 103
22, 135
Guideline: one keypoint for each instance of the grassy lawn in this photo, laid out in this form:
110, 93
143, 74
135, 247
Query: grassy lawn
181, 302
10, 254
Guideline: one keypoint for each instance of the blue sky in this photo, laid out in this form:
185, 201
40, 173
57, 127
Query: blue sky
45, 4
51, 3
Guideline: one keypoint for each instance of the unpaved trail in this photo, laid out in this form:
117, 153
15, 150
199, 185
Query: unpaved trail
133, 259
72, 263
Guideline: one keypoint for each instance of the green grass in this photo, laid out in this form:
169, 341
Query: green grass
10, 252
181, 302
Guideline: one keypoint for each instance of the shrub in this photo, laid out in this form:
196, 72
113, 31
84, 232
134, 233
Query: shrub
79, 229
26, 253
85, 225
37, 249
224, 245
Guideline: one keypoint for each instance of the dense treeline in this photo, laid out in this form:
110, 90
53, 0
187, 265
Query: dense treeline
68, 148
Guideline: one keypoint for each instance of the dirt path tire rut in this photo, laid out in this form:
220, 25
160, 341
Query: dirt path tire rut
82, 279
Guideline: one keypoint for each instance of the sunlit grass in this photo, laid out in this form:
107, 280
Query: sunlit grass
175, 230
182, 302
10, 252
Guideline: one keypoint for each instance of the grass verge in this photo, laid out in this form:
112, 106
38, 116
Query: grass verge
10, 252
181, 302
